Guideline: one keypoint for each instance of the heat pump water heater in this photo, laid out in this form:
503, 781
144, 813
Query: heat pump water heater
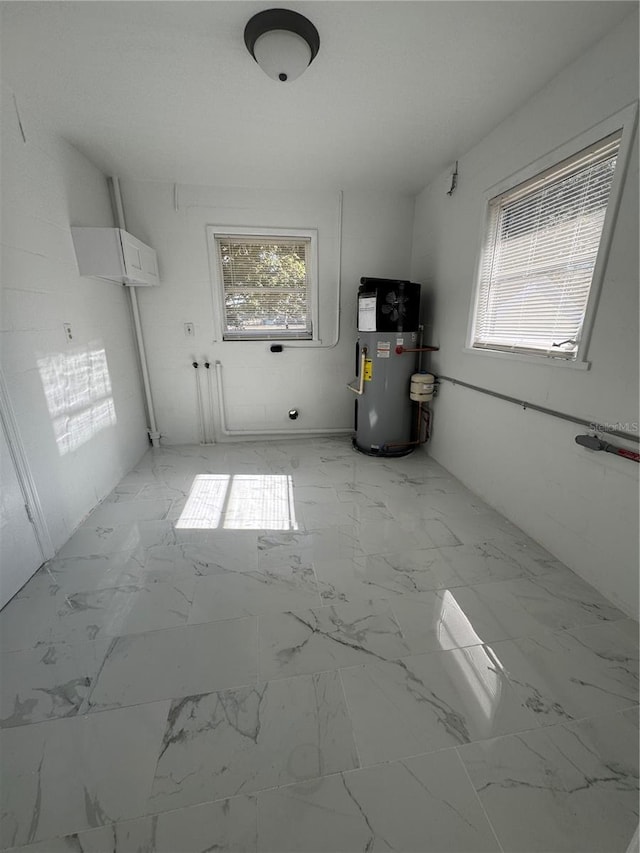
388, 319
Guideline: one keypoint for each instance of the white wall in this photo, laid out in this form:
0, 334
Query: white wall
78, 404
259, 386
582, 506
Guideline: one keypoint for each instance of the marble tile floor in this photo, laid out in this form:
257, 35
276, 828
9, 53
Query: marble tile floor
288, 646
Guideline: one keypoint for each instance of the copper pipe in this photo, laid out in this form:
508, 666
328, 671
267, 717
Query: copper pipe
596, 426
401, 349
410, 443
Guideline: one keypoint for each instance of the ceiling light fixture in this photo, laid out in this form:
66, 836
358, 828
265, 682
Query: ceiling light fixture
282, 42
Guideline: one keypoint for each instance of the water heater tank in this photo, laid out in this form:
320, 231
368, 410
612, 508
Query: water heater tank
388, 318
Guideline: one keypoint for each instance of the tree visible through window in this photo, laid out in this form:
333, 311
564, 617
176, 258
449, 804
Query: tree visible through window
266, 287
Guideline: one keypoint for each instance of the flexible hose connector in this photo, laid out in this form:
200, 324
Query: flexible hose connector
592, 442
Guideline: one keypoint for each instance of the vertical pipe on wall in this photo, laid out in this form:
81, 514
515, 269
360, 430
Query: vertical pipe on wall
336, 336
212, 430
321, 344
154, 435
336, 329
199, 406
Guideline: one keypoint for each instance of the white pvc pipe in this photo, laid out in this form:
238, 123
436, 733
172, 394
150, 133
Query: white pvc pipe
117, 199
152, 429
199, 406
360, 389
289, 432
212, 434
336, 334
154, 435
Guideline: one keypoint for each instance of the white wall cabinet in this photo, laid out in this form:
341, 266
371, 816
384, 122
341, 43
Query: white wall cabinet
115, 255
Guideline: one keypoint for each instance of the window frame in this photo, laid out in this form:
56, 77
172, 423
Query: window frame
217, 282
624, 121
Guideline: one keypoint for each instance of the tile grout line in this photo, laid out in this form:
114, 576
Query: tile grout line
350, 714
480, 803
539, 727
255, 794
84, 707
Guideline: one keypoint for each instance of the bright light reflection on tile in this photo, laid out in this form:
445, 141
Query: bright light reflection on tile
453, 625
240, 502
261, 502
205, 502
477, 668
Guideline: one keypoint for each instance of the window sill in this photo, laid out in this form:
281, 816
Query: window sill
539, 360
276, 339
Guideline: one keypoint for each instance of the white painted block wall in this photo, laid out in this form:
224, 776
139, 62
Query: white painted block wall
78, 404
259, 386
582, 506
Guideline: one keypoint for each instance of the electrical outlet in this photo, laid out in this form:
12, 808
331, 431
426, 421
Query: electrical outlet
67, 331
189, 330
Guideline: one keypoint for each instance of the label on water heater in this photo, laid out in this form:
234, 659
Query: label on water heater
368, 370
383, 349
367, 314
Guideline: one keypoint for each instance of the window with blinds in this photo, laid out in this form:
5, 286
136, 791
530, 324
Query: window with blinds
540, 251
266, 286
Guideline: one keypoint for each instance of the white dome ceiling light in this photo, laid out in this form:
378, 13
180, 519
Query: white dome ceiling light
282, 42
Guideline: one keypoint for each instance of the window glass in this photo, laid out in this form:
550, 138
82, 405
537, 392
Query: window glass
266, 286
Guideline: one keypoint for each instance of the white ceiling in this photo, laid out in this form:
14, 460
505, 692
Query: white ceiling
167, 90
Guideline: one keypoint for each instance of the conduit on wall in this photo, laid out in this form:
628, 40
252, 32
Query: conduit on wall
336, 333
240, 432
154, 435
596, 426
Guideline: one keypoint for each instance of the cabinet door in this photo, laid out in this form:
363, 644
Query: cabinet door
140, 265
99, 252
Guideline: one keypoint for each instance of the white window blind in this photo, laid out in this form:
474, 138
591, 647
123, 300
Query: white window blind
540, 252
266, 288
